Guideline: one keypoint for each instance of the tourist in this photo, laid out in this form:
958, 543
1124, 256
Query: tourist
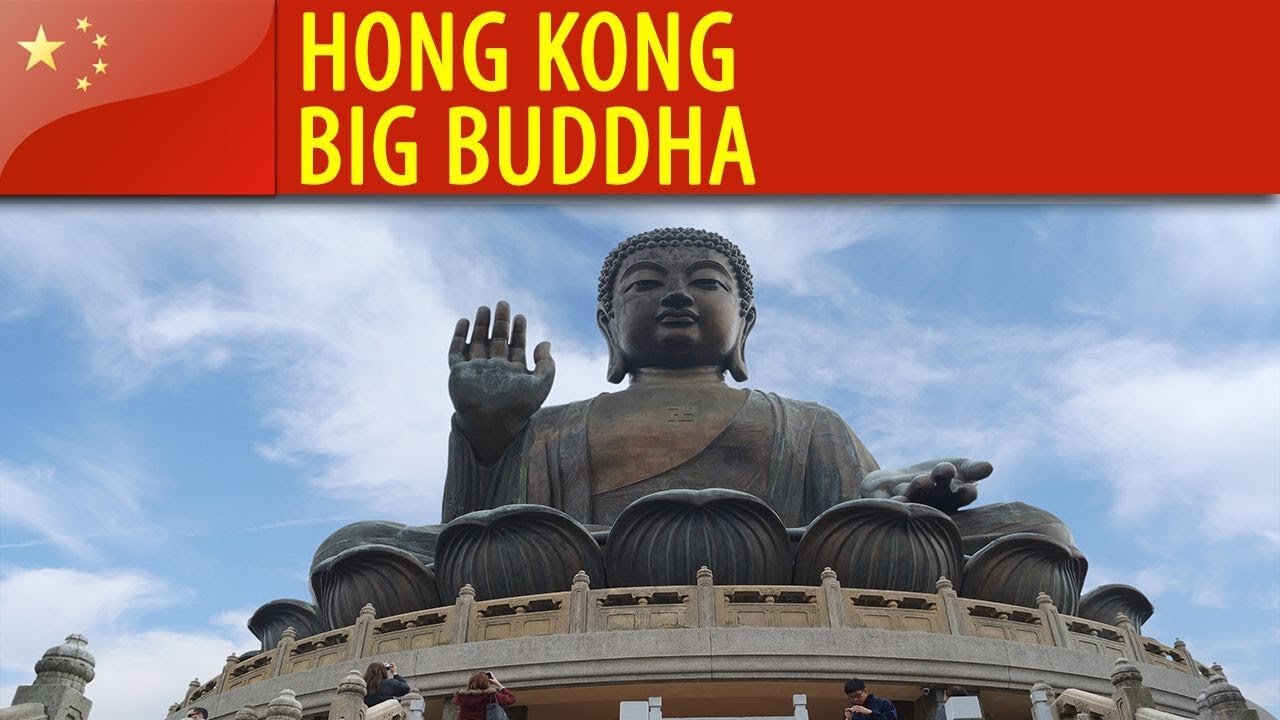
198, 713
865, 706
382, 682
483, 689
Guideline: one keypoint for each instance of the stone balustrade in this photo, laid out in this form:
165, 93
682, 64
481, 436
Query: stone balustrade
584, 610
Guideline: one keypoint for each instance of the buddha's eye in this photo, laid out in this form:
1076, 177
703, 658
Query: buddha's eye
641, 285
708, 284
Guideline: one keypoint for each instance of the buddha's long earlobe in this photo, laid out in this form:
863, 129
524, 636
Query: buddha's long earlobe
617, 365
738, 355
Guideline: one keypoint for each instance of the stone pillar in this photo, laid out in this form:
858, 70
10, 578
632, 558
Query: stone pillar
1057, 627
834, 598
232, 661
1130, 694
284, 707
706, 609
1042, 698
801, 707
362, 633
192, 687
1223, 701
952, 610
462, 613
348, 704
1132, 639
61, 675
246, 713
1181, 647
579, 602
288, 639
633, 710
414, 704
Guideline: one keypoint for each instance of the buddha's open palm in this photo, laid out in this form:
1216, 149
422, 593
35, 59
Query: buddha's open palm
489, 381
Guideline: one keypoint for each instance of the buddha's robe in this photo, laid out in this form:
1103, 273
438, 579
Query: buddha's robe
799, 457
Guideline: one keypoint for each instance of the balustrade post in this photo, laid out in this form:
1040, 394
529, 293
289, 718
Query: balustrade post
834, 598
415, 705
192, 687
1181, 647
348, 704
1223, 701
284, 707
462, 609
1057, 626
1132, 639
361, 636
288, 639
706, 606
1042, 698
246, 713
800, 707
952, 610
1130, 694
578, 602
232, 661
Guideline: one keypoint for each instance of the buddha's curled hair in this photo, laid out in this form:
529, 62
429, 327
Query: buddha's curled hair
675, 237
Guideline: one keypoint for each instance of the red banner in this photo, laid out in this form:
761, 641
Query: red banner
341, 97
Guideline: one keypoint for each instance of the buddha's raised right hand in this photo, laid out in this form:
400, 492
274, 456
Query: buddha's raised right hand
493, 391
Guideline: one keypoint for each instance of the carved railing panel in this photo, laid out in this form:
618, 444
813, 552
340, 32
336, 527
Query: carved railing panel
528, 616
1157, 653
1007, 622
651, 608
886, 610
1092, 636
318, 650
411, 631
774, 606
251, 670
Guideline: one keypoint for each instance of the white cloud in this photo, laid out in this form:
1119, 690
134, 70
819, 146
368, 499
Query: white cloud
1179, 436
138, 673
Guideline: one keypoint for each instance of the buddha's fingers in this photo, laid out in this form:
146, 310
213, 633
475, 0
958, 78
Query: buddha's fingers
459, 344
480, 335
517, 352
975, 470
543, 366
501, 330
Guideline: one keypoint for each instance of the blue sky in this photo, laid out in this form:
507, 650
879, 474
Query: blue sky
194, 394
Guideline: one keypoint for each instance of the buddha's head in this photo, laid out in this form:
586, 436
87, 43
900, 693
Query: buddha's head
676, 298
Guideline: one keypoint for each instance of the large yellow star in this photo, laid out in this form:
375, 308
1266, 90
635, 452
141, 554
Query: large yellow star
83, 24
100, 68
100, 41
41, 50
83, 83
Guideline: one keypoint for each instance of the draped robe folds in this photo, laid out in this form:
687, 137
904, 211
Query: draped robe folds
799, 457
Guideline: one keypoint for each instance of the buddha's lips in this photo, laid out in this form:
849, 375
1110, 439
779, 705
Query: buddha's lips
678, 316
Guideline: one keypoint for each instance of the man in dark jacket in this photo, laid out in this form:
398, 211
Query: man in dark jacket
865, 706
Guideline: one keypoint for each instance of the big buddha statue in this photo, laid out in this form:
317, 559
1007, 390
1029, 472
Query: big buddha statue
677, 470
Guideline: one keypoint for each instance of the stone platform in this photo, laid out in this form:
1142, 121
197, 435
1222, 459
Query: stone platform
727, 649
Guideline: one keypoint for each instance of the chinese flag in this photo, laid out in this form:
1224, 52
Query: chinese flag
122, 97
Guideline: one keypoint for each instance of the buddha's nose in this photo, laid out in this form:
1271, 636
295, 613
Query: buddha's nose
677, 298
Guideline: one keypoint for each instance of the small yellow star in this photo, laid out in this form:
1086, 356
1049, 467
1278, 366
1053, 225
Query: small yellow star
83, 24
100, 68
100, 41
41, 50
83, 84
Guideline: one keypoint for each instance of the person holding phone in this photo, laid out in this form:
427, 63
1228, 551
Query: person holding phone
865, 706
482, 690
382, 682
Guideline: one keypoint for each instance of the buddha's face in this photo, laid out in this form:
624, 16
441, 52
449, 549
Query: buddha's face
676, 307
